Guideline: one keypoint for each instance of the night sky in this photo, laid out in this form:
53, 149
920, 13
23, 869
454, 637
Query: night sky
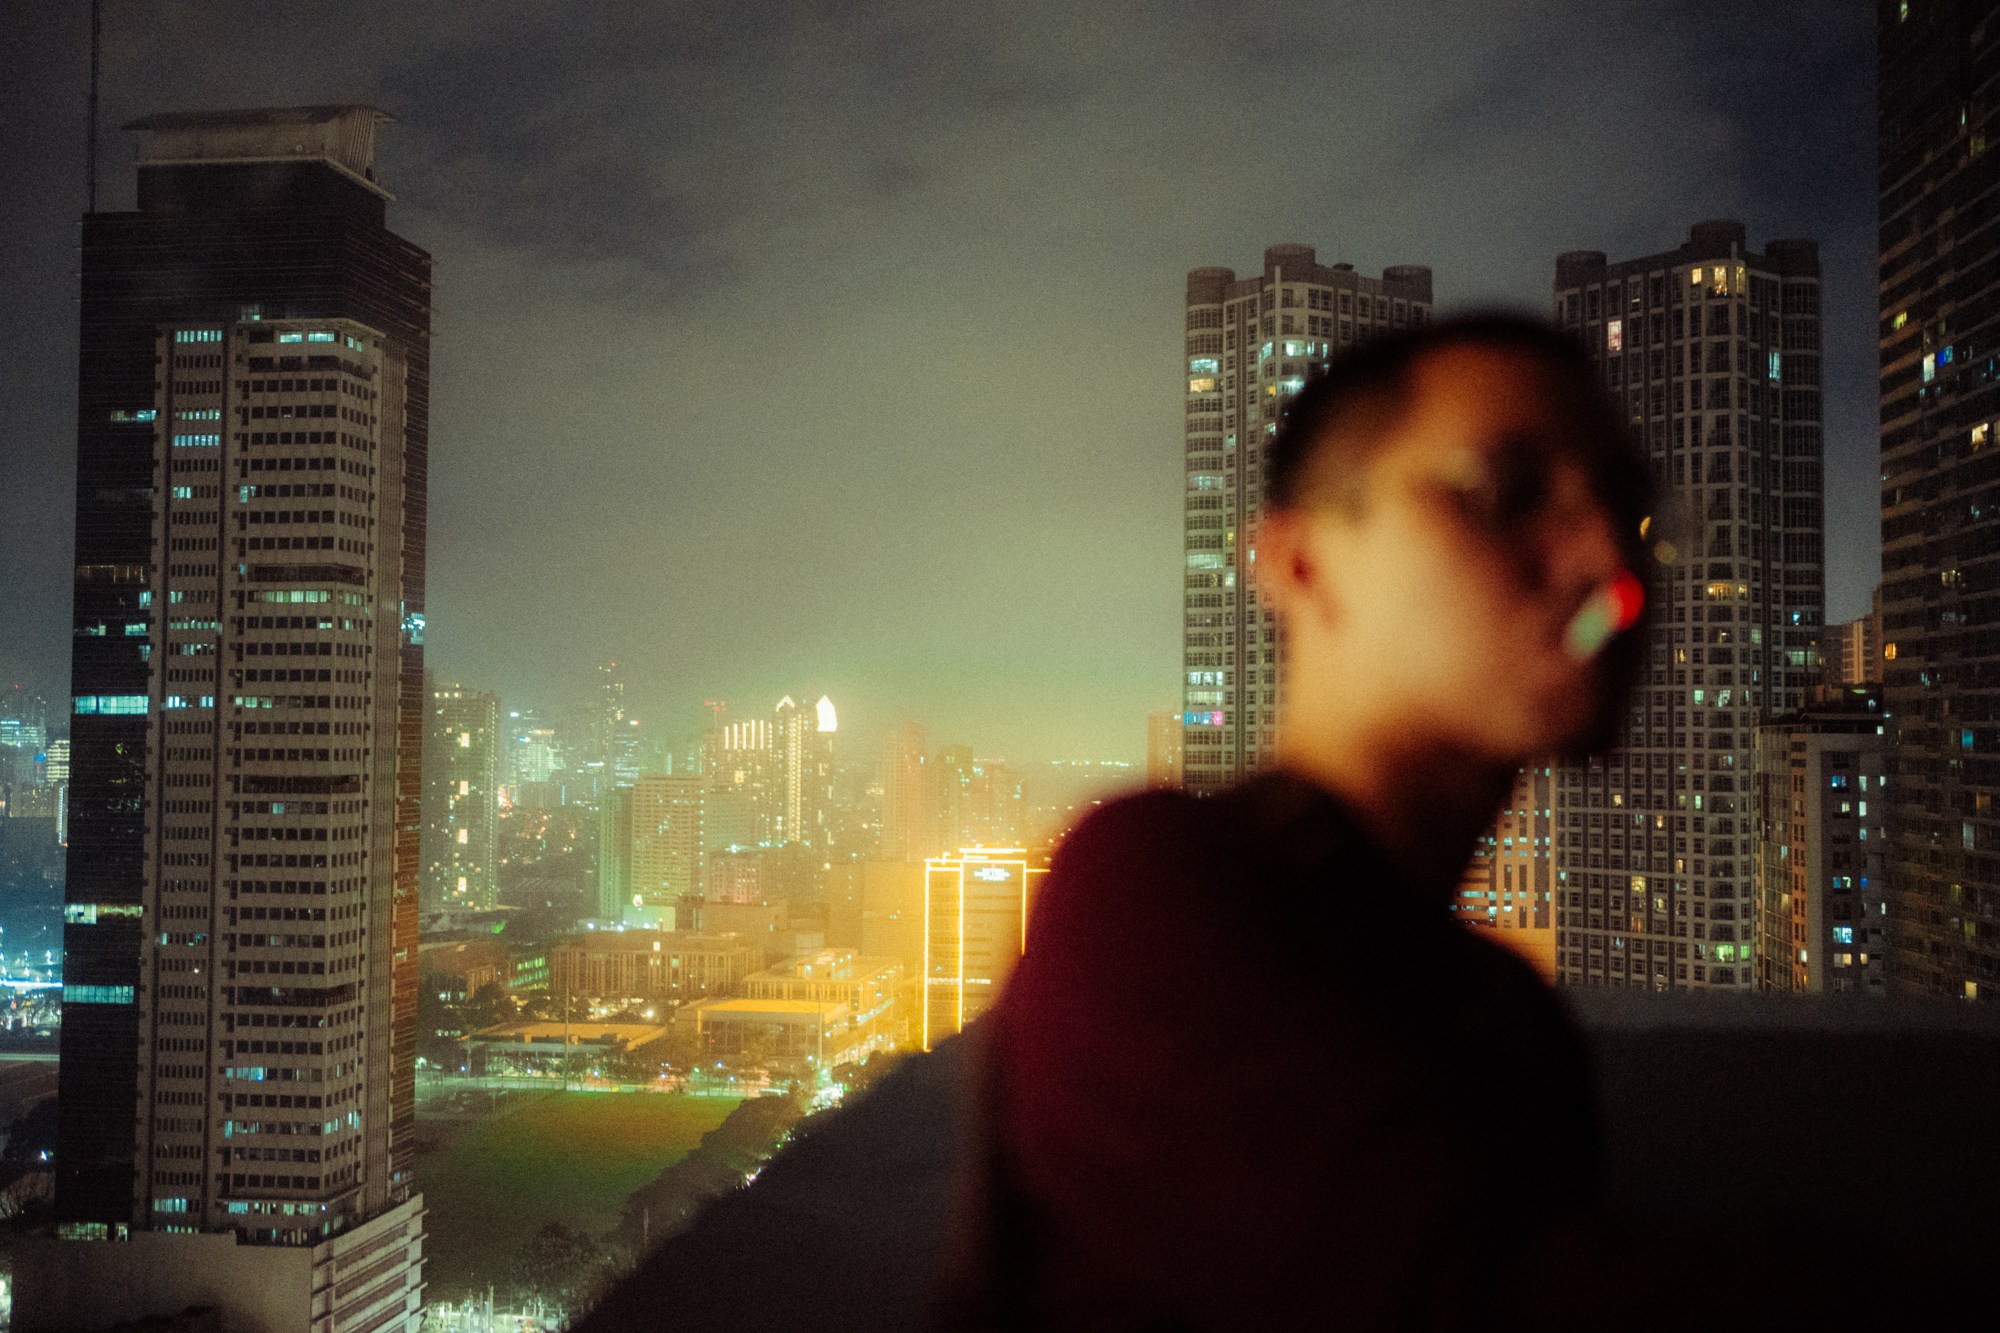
838, 345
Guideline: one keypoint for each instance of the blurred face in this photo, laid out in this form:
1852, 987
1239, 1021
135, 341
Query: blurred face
1449, 595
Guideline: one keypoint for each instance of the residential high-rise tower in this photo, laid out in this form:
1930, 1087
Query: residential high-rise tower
1712, 350
1253, 342
1822, 899
461, 799
1940, 407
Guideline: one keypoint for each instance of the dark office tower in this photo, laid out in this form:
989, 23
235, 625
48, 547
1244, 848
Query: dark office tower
1940, 307
1251, 344
461, 800
238, 1063
1713, 353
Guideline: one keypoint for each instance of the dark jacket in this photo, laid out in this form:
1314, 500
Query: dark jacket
1243, 1078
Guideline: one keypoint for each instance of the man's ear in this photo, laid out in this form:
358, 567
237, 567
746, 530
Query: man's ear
1293, 573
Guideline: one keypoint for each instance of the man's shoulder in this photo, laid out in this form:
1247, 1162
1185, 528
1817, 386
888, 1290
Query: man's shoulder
1152, 831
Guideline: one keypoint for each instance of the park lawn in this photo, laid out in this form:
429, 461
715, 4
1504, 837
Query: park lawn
569, 1157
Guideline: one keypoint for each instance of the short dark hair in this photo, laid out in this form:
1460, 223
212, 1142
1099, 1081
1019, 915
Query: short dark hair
1345, 413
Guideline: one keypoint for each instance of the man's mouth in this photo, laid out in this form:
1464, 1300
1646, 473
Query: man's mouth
1613, 608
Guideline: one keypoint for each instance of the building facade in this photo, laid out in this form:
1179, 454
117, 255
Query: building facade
907, 831
1852, 649
1509, 883
614, 854
1822, 805
240, 920
1251, 343
461, 799
669, 846
803, 737
651, 964
1940, 406
975, 925
1713, 351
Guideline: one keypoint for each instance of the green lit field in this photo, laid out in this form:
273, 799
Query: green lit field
568, 1157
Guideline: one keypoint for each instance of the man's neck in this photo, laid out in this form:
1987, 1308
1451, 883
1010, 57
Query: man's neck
1425, 806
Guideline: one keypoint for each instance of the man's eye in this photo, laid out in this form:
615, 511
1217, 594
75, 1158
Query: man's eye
1518, 492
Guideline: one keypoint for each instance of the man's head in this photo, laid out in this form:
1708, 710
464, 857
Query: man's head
1439, 508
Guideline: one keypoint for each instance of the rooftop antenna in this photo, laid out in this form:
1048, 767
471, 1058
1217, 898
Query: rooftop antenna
90, 150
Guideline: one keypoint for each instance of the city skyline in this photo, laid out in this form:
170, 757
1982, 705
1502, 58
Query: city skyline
620, 566
891, 487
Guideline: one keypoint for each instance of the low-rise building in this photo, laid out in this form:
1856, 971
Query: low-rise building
549, 1049
869, 987
651, 964
457, 970
822, 1033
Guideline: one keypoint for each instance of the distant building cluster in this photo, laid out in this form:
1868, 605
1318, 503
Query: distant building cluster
34, 774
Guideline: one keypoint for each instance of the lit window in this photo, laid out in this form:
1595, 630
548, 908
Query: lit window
76, 994
112, 704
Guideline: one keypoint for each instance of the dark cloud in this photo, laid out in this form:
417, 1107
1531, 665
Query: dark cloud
836, 341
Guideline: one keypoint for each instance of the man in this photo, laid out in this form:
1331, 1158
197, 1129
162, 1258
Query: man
1249, 1073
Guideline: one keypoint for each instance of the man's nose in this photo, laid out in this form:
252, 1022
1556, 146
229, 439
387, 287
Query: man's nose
1584, 548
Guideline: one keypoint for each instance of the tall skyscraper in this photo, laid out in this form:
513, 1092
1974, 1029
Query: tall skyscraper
530, 751
803, 737
955, 783
669, 845
1940, 432
1822, 896
1251, 344
743, 795
461, 799
1713, 350
908, 821
238, 1063
614, 853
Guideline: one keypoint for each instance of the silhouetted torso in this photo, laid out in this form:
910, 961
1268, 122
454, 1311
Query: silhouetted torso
1244, 1078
